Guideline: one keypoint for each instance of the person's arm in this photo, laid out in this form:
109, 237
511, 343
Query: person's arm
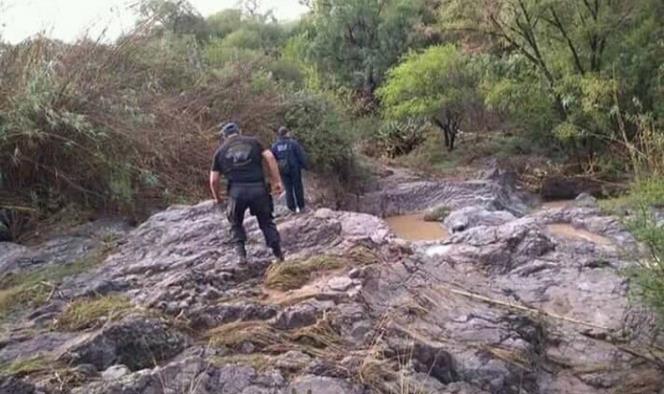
273, 172
214, 186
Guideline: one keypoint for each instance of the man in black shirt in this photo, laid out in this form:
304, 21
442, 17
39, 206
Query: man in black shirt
240, 159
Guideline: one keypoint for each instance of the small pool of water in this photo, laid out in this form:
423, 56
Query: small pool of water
568, 231
414, 228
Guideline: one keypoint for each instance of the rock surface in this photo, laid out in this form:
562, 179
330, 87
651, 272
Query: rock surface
507, 304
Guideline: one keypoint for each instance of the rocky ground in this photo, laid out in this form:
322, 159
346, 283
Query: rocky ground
508, 304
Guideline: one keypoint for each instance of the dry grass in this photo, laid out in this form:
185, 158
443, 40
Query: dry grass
295, 274
362, 255
318, 340
235, 335
91, 313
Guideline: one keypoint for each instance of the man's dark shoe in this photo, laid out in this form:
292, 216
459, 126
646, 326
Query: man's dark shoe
278, 254
241, 254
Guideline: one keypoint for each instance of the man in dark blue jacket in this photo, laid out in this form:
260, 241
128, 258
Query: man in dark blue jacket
292, 160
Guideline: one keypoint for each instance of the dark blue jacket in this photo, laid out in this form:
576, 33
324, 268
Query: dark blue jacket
287, 150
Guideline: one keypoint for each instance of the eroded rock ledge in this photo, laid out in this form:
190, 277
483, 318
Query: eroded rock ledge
506, 305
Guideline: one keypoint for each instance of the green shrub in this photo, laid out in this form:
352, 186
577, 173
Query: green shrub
645, 196
325, 134
397, 138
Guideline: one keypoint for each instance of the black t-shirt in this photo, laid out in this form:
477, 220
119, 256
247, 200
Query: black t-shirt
240, 159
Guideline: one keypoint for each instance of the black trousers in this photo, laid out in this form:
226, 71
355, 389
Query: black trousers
294, 190
256, 198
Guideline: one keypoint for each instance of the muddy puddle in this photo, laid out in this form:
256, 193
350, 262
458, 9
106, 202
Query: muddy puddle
414, 228
570, 232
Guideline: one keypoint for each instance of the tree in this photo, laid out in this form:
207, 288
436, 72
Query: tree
583, 50
357, 41
247, 30
225, 22
438, 84
176, 16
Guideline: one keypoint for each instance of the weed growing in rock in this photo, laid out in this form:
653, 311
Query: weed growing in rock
33, 288
90, 313
18, 297
26, 366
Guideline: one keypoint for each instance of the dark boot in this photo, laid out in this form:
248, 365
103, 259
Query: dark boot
241, 253
278, 253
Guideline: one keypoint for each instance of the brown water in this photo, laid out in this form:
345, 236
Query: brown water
414, 228
570, 232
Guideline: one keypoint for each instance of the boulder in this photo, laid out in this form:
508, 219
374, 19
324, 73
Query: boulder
474, 216
115, 372
135, 341
13, 385
296, 316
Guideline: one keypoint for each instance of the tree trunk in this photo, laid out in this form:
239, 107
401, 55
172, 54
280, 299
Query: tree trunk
444, 128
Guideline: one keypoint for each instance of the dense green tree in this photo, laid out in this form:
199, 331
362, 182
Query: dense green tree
439, 84
176, 16
356, 41
252, 31
589, 55
225, 22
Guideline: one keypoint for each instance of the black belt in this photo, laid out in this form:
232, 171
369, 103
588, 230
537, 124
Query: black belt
258, 183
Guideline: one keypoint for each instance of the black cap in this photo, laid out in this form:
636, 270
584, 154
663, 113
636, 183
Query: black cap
229, 128
283, 131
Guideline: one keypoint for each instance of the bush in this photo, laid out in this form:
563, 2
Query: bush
125, 127
645, 197
397, 138
325, 135
439, 84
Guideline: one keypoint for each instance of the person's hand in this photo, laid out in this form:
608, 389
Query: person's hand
277, 189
